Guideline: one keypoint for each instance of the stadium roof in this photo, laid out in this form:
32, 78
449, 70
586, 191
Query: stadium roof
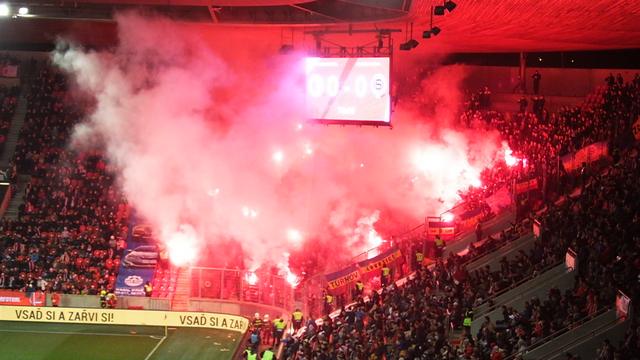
473, 26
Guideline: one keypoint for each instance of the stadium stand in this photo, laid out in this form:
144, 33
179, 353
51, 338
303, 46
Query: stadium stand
69, 232
65, 239
601, 221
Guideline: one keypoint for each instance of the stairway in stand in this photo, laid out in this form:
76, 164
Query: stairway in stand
182, 291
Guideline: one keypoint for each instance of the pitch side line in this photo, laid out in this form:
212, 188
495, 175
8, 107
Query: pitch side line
155, 348
69, 333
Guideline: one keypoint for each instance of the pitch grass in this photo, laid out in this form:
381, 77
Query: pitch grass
50, 341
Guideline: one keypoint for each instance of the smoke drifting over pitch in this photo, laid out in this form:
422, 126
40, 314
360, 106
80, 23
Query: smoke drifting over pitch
212, 147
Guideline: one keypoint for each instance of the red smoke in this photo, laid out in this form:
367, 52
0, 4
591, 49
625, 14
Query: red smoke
212, 148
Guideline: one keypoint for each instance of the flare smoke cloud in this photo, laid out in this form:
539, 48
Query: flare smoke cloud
211, 146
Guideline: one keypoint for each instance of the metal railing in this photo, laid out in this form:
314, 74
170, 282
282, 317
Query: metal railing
566, 329
496, 247
511, 287
240, 285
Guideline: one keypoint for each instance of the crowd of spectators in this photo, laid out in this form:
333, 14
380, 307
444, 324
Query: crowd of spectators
480, 100
69, 233
602, 223
541, 138
8, 103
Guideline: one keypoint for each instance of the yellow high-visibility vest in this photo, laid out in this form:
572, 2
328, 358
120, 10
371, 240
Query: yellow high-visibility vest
467, 322
297, 315
280, 325
251, 355
419, 257
386, 271
267, 355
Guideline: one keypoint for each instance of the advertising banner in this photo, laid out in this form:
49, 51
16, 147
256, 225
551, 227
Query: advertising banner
124, 317
343, 277
9, 71
378, 262
441, 228
536, 228
622, 305
526, 186
587, 154
570, 260
466, 219
349, 275
139, 261
12, 297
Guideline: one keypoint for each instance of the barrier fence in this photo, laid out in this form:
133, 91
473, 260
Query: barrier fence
125, 317
239, 285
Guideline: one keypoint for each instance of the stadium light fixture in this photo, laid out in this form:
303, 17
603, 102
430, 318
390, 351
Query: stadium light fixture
450, 5
409, 45
447, 6
23, 11
434, 31
4, 9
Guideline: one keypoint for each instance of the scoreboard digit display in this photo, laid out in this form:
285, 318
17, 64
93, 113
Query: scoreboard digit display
348, 90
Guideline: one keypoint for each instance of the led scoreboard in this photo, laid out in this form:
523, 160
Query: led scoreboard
348, 90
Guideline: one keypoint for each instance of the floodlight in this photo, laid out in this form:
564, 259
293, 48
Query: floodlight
450, 5
411, 44
4, 9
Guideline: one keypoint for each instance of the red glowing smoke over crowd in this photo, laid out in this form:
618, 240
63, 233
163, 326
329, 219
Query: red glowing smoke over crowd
213, 147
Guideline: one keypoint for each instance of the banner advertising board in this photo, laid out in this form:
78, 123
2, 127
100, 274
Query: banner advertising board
124, 317
354, 272
587, 154
139, 261
11, 297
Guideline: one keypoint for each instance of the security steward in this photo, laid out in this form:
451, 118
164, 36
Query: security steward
296, 319
103, 298
257, 322
358, 289
440, 245
250, 355
419, 259
328, 303
112, 300
278, 331
148, 289
385, 276
55, 299
267, 330
267, 354
467, 321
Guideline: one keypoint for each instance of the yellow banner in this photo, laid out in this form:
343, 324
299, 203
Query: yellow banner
368, 266
124, 317
344, 280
